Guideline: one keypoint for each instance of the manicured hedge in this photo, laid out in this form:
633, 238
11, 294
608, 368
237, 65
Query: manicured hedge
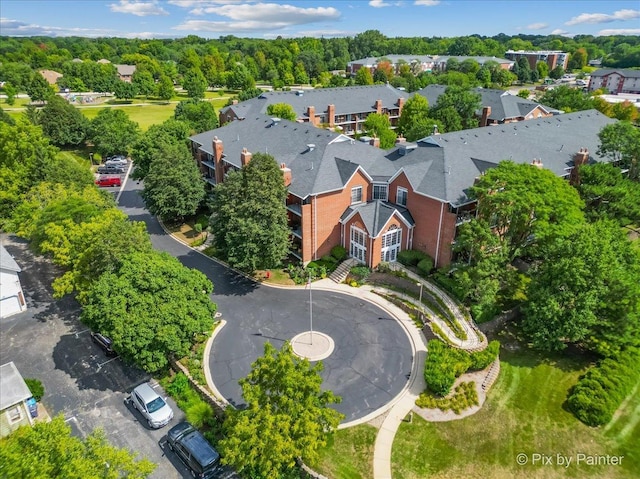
425, 266
599, 393
445, 363
411, 257
339, 252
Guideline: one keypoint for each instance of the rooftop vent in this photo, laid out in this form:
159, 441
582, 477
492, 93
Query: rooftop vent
311, 147
406, 148
300, 93
275, 121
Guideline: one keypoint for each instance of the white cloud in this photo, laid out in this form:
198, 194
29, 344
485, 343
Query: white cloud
140, 9
427, 3
229, 27
325, 33
16, 28
378, 4
267, 13
621, 15
560, 31
537, 26
205, 3
619, 31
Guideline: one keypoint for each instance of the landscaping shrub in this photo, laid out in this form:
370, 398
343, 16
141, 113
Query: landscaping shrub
443, 365
328, 259
339, 252
465, 396
383, 267
482, 359
599, 393
411, 257
199, 414
36, 388
425, 266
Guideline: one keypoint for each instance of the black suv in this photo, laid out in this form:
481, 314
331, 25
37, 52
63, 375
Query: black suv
110, 169
105, 343
194, 450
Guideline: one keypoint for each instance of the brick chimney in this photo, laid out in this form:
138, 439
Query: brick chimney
400, 105
580, 158
286, 174
400, 139
378, 106
331, 113
537, 162
234, 102
245, 157
311, 113
218, 150
375, 142
486, 112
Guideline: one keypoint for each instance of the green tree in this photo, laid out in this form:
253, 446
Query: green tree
524, 94
48, 449
199, 115
152, 308
144, 83
456, 108
543, 69
624, 111
195, 83
379, 126
364, 77
287, 416
282, 110
527, 206
586, 290
165, 89
621, 142
173, 187
39, 89
556, 73
608, 194
6, 118
63, 123
578, 59
416, 108
113, 132
124, 90
11, 92
566, 98
150, 144
250, 217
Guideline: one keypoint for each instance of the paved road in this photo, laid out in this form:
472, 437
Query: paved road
48, 342
372, 357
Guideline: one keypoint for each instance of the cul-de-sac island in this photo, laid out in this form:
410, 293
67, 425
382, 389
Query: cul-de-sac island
290, 240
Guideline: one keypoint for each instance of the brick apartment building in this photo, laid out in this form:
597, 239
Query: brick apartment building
420, 63
615, 81
552, 58
377, 202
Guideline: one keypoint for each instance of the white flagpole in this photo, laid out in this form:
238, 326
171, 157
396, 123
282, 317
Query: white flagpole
310, 310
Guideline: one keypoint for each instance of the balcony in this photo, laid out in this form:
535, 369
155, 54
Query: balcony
464, 217
296, 231
295, 209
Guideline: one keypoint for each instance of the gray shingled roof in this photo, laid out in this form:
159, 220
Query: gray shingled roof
13, 389
442, 166
375, 215
627, 73
372, 61
7, 262
126, 70
354, 99
503, 104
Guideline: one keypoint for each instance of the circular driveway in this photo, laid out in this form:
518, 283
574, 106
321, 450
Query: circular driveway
372, 359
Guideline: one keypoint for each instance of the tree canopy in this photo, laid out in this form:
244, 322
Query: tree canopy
112, 132
173, 186
156, 139
48, 449
621, 143
200, 115
250, 217
282, 110
456, 108
287, 415
63, 123
379, 126
151, 308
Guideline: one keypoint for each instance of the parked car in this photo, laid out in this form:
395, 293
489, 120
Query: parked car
151, 405
118, 162
200, 457
104, 342
109, 181
110, 170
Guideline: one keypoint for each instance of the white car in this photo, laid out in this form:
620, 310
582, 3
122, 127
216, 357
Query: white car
151, 405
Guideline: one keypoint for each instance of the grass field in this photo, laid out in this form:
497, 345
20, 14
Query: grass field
348, 454
524, 413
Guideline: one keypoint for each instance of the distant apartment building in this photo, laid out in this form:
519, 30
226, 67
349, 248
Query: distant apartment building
420, 63
615, 81
125, 72
552, 58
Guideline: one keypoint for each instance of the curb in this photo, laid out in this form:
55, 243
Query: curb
207, 371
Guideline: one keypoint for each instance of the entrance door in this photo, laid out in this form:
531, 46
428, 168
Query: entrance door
391, 245
358, 248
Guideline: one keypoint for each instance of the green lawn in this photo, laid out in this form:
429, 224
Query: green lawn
144, 116
523, 414
348, 454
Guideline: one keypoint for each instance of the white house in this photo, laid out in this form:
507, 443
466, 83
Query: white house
11, 296
14, 396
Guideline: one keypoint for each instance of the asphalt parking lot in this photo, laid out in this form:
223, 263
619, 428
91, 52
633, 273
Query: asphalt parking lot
48, 342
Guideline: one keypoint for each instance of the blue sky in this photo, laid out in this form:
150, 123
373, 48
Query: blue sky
291, 18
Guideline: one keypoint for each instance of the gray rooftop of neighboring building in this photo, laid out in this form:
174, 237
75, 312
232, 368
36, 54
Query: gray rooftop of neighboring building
13, 389
441, 166
395, 59
354, 99
625, 72
7, 262
503, 105
375, 215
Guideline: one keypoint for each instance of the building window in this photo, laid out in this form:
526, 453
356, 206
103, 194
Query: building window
357, 245
401, 196
380, 192
356, 195
391, 244
15, 414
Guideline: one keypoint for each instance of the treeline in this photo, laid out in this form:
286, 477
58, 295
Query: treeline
147, 302
231, 61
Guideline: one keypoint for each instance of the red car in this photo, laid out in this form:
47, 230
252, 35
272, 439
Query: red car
109, 181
